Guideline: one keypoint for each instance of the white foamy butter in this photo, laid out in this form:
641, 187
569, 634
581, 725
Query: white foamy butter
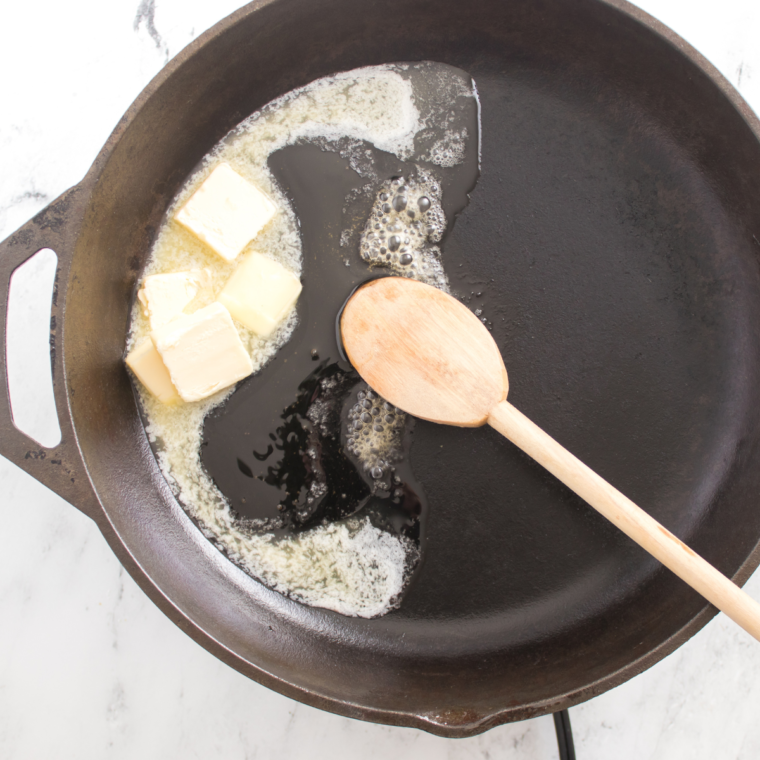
406, 222
351, 567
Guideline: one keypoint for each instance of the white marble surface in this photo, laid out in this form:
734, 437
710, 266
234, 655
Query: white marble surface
90, 668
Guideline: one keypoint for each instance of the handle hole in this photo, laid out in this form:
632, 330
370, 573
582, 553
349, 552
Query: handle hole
28, 356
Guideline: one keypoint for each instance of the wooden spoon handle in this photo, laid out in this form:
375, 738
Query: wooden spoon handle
632, 520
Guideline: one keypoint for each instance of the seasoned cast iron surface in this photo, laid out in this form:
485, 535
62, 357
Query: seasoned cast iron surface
613, 234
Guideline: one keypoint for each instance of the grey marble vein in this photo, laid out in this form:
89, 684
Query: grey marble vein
146, 17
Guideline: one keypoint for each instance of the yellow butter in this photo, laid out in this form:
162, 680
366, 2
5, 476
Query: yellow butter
260, 293
147, 365
226, 212
202, 352
164, 296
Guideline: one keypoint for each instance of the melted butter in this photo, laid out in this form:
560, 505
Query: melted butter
345, 539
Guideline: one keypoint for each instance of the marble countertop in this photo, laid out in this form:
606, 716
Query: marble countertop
90, 668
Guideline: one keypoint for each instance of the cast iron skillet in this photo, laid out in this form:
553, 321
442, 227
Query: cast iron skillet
617, 216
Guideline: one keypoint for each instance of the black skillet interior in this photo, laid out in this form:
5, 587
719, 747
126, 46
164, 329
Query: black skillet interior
614, 230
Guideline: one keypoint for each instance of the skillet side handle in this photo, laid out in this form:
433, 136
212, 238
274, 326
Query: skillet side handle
61, 468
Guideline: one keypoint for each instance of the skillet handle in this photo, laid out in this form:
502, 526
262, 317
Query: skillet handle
60, 468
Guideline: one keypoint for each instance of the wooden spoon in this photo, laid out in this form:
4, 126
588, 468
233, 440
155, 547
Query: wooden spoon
428, 354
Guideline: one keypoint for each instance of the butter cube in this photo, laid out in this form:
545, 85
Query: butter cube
202, 352
164, 296
260, 293
146, 363
226, 212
